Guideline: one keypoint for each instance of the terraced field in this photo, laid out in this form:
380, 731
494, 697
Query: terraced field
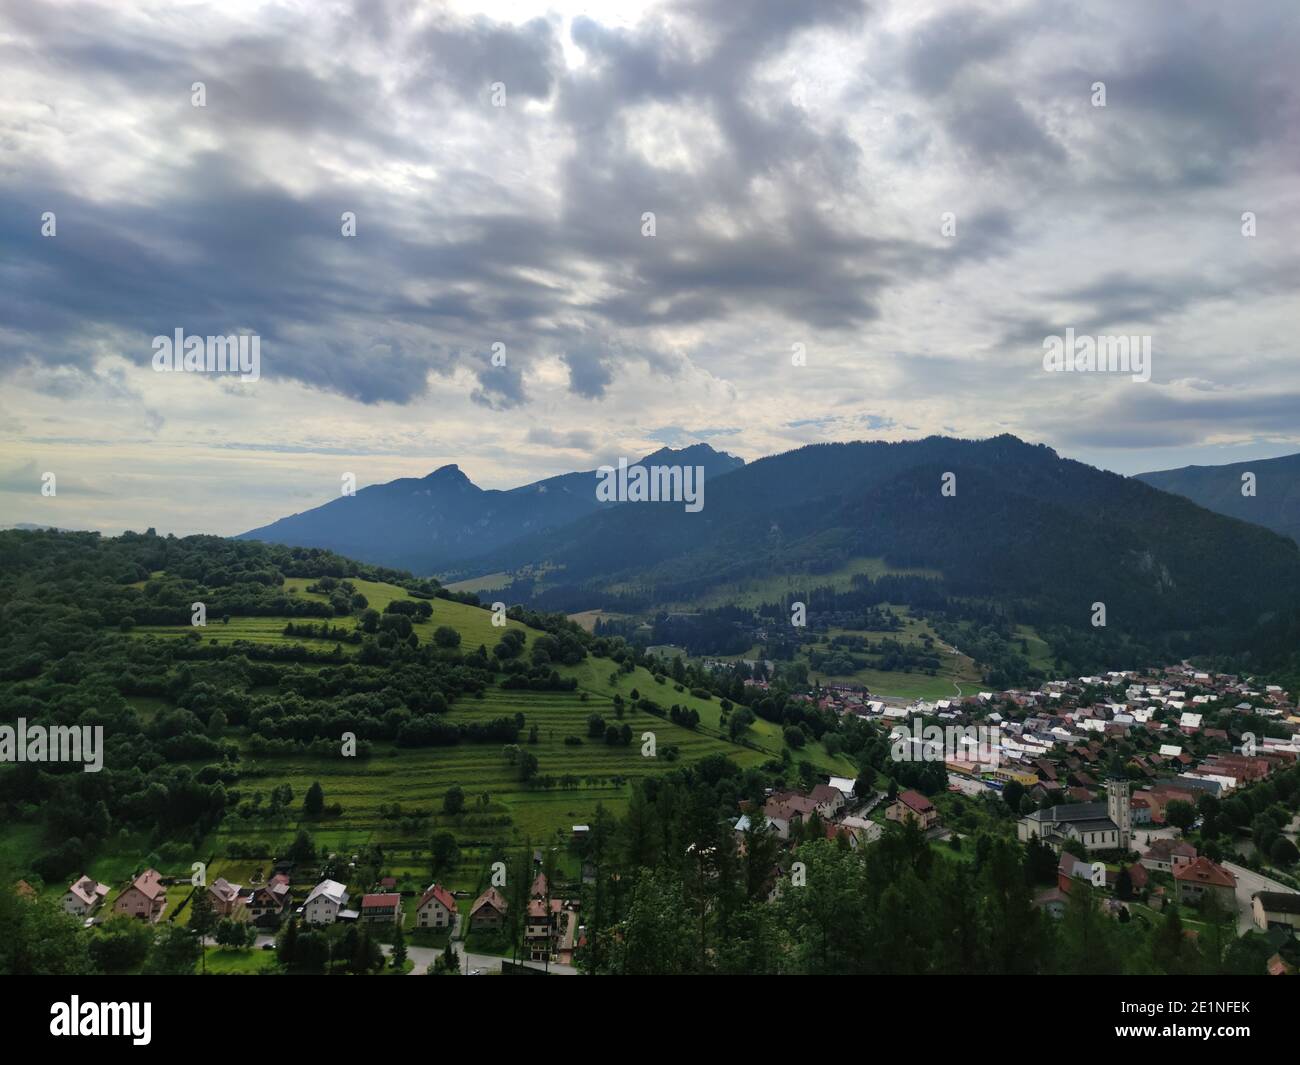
473, 623
502, 813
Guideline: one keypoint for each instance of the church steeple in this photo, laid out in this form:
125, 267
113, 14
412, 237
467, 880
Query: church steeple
1120, 810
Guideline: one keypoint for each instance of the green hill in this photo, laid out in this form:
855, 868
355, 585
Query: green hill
215, 734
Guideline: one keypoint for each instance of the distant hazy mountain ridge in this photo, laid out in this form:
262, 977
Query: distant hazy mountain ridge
429, 524
1275, 503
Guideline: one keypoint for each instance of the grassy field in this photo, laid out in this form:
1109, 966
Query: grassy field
1040, 655
958, 670
778, 587
473, 623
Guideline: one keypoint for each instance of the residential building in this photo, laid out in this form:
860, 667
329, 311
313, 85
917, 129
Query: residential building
227, 898
326, 903
84, 897
1276, 909
145, 897
1199, 879
488, 914
385, 908
268, 903
436, 908
913, 806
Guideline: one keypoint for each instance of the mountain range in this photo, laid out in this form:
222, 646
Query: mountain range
1022, 527
435, 523
1275, 503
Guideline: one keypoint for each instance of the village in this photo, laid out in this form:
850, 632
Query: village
1112, 772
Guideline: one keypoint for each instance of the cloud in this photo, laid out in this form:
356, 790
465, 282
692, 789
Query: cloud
797, 162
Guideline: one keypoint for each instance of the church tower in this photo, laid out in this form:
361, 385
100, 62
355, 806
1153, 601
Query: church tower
1119, 810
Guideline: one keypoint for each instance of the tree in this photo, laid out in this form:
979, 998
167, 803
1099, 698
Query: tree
313, 805
453, 800
1180, 814
202, 918
446, 636
303, 847
1283, 853
287, 947
527, 766
399, 947
175, 952
233, 934
120, 943
444, 850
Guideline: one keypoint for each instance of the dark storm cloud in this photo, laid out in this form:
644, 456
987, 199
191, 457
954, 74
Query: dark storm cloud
523, 224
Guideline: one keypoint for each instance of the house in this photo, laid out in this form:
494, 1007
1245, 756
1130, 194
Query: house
145, 897
1276, 909
436, 908
863, 830
326, 903
84, 897
844, 785
829, 800
913, 806
385, 908
541, 888
1138, 877
1070, 868
267, 904
226, 897
1165, 854
1199, 879
488, 913
543, 927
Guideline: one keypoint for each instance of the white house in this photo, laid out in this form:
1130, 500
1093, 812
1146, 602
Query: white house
325, 903
436, 908
844, 785
84, 897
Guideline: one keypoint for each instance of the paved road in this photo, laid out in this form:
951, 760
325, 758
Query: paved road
1247, 884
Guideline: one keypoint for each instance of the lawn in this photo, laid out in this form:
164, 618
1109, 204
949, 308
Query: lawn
222, 961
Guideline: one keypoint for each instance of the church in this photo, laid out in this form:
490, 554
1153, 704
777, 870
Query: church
1097, 825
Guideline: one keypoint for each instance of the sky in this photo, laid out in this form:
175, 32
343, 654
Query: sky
867, 218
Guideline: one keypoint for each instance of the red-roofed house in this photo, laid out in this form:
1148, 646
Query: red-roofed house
436, 908
145, 898
488, 912
381, 909
226, 897
269, 901
1201, 878
913, 806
